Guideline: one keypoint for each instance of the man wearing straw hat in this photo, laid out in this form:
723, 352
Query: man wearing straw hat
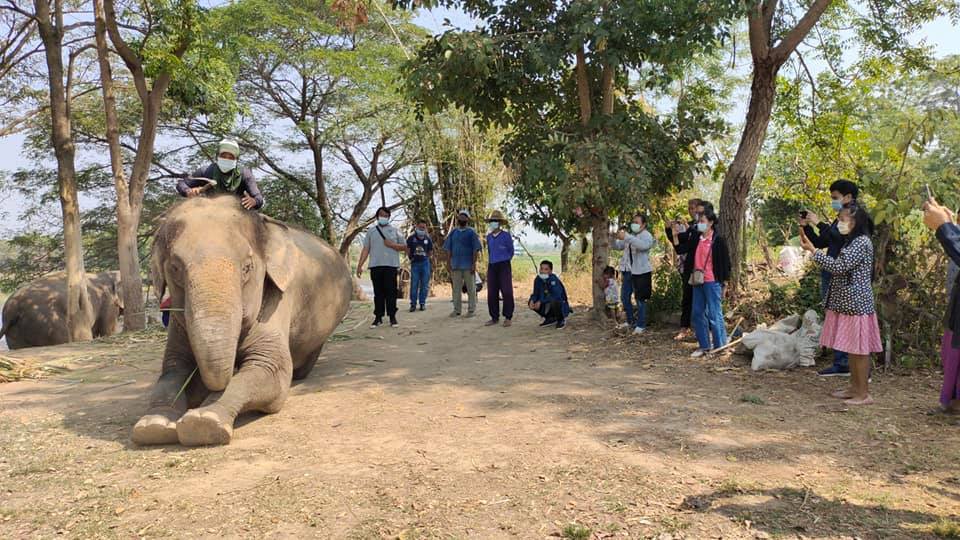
226, 177
500, 270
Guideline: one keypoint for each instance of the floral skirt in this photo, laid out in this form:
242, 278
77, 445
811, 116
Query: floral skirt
852, 334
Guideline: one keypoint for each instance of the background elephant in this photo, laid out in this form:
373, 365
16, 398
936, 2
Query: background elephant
253, 301
36, 314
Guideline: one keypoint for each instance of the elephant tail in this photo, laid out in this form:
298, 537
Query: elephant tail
6, 326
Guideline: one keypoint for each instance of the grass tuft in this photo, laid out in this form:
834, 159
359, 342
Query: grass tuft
575, 531
946, 528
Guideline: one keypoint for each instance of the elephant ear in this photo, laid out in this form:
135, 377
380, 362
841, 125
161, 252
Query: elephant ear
279, 254
156, 272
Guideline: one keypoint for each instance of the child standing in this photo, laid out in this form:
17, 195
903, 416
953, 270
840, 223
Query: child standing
611, 292
850, 325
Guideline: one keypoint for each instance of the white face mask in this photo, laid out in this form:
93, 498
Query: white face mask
492, 227
544, 276
843, 227
383, 221
702, 227
226, 165
635, 228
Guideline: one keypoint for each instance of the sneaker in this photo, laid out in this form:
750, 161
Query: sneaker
639, 330
561, 324
491, 322
454, 315
507, 323
377, 323
423, 307
393, 322
413, 308
699, 353
471, 314
547, 322
625, 325
834, 371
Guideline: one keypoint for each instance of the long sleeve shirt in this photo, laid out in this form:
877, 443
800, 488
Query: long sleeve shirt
851, 282
637, 251
550, 290
499, 247
246, 183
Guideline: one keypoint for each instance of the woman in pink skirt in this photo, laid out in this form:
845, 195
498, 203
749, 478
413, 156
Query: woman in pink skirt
851, 322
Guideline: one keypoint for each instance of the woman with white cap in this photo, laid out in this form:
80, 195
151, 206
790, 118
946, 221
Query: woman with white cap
226, 176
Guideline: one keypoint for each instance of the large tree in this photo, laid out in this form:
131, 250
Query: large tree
565, 79
776, 29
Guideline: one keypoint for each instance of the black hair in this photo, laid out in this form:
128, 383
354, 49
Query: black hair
710, 214
383, 209
707, 205
862, 222
695, 201
642, 217
845, 187
548, 263
609, 271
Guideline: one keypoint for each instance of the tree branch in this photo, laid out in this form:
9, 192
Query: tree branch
785, 48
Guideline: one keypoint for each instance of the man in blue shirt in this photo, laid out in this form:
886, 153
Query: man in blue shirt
549, 298
419, 249
499, 270
842, 193
463, 247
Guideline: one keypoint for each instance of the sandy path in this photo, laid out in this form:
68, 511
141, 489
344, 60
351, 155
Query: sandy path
443, 428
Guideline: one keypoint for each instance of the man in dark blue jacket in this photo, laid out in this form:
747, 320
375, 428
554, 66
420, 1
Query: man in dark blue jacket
842, 193
549, 298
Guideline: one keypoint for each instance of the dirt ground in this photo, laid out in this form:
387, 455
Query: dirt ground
446, 429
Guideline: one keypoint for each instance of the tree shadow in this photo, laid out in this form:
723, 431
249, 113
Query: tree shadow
789, 511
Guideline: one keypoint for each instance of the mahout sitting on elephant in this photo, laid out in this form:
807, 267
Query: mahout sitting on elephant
252, 302
35, 315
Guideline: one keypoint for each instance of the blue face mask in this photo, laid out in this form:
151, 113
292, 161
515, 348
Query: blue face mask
421, 232
634, 228
836, 204
383, 221
702, 227
543, 276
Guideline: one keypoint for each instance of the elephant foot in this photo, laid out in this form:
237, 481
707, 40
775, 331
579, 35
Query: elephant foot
203, 427
155, 429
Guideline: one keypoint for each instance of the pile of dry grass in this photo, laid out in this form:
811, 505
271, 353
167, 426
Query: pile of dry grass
12, 369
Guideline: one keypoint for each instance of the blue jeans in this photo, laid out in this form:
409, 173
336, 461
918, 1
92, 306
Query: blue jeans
626, 295
707, 315
419, 282
840, 359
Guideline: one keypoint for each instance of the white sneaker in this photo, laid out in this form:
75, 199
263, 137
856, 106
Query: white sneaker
698, 353
639, 330
623, 325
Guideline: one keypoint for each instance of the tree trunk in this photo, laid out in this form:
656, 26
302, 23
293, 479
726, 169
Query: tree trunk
79, 310
323, 201
564, 253
601, 254
736, 182
129, 263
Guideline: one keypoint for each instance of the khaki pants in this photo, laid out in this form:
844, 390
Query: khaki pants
461, 278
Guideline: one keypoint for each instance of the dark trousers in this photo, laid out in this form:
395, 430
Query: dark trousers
686, 305
384, 290
551, 311
500, 282
642, 290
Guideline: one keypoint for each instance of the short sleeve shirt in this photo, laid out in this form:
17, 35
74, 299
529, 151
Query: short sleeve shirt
462, 244
380, 254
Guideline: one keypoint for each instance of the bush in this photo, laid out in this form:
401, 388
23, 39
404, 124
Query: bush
667, 292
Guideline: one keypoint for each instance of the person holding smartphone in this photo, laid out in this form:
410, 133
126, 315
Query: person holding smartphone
943, 222
827, 236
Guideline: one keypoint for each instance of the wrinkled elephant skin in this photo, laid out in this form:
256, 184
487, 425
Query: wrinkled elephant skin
253, 301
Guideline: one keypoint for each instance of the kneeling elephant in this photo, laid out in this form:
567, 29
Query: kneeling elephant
253, 302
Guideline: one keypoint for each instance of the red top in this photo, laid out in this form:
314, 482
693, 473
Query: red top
703, 259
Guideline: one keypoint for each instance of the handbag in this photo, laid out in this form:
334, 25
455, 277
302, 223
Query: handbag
698, 276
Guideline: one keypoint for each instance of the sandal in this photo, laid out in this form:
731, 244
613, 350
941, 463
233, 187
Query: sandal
865, 401
841, 394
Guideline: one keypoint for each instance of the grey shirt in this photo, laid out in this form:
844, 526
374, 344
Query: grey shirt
380, 254
636, 252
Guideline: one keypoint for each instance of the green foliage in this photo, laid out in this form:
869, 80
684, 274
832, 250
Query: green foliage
576, 531
667, 290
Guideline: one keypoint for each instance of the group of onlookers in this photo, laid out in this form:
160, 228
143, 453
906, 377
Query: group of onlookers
842, 248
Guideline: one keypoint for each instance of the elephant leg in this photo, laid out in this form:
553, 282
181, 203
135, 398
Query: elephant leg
167, 401
262, 384
301, 372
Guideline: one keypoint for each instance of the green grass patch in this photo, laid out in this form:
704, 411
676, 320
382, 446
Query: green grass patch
575, 531
946, 528
750, 398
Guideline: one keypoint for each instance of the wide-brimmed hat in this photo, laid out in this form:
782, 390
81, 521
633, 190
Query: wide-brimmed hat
497, 216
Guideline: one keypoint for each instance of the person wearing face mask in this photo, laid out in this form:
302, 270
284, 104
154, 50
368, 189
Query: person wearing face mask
463, 248
549, 298
419, 249
682, 232
637, 245
499, 270
842, 193
850, 324
383, 244
226, 176
710, 270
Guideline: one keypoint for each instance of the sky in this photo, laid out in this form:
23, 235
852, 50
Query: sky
942, 34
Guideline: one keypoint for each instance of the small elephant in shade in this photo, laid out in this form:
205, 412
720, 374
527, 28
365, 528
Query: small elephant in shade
36, 314
252, 302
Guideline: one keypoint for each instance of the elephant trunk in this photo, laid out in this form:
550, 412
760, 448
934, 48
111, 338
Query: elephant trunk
213, 314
